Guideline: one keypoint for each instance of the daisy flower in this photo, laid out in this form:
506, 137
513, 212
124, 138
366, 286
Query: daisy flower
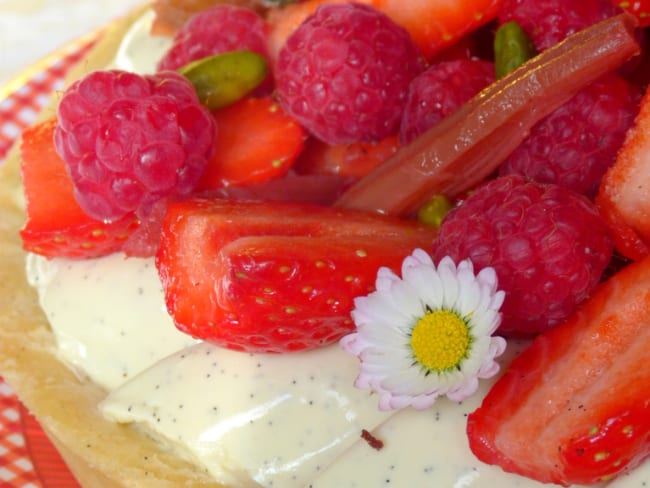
427, 334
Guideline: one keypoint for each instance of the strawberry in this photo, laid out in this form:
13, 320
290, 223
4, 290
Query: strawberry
433, 25
56, 225
623, 198
273, 277
574, 406
257, 141
639, 8
354, 159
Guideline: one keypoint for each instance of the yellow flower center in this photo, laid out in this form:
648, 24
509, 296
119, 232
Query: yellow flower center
440, 340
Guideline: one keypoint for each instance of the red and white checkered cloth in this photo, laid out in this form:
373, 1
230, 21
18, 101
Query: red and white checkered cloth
21, 107
27, 459
16, 468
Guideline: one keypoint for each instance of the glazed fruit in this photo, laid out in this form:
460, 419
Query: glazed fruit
433, 25
623, 196
257, 142
573, 408
548, 245
56, 226
574, 145
274, 277
467, 146
639, 8
548, 22
129, 140
440, 91
354, 160
344, 73
217, 30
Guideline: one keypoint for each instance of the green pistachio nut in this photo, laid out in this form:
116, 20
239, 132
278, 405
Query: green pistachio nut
512, 48
223, 79
433, 211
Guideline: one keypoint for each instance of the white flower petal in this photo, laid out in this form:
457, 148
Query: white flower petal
447, 272
432, 290
386, 317
464, 390
385, 279
422, 402
469, 294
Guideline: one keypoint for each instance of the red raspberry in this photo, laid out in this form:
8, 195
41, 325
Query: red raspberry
129, 140
574, 145
441, 90
548, 245
218, 30
547, 22
344, 73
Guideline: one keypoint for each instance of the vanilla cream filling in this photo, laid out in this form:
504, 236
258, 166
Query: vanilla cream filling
291, 420
108, 315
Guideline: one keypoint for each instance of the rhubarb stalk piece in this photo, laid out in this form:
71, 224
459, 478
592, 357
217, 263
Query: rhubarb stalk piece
466, 147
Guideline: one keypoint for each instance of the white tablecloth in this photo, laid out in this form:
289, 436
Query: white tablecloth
32, 29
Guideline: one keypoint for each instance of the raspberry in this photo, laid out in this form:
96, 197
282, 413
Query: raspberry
344, 73
574, 145
548, 245
218, 30
547, 22
439, 91
129, 140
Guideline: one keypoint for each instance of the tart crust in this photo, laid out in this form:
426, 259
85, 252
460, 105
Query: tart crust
100, 453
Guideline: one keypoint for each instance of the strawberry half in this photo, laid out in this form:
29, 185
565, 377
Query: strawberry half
355, 160
274, 277
623, 197
256, 142
574, 407
639, 8
434, 24
56, 226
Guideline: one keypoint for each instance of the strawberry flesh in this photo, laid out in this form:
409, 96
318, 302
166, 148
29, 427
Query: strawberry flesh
574, 407
56, 225
623, 196
256, 142
273, 277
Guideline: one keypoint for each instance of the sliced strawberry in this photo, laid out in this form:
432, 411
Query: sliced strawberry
273, 277
639, 8
56, 225
256, 141
574, 406
436, 24
624, 196
355, 160
433, 24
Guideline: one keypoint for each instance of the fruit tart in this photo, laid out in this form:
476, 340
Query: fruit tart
227, 263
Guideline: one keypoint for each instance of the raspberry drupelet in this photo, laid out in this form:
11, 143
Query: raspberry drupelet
129, 140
